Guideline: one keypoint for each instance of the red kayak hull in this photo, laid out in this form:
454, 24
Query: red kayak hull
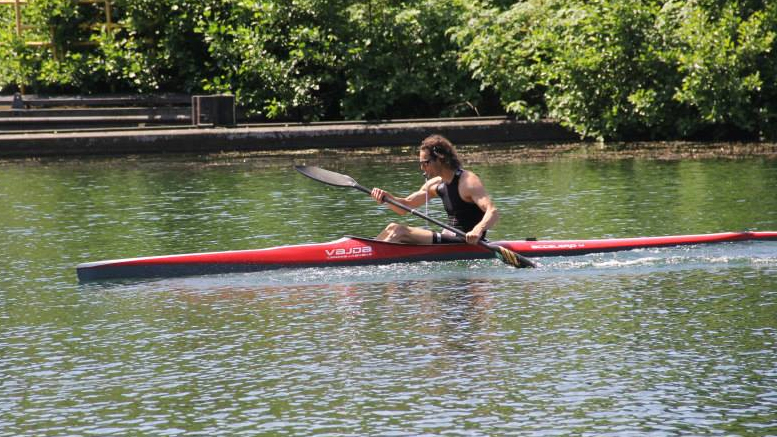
350, 251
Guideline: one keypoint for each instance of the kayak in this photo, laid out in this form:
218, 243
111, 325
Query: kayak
353, 251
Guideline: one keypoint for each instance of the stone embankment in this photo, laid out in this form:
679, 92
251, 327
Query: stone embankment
63, 133
32, 127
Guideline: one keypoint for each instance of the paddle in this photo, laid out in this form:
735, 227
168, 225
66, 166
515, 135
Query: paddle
341, 180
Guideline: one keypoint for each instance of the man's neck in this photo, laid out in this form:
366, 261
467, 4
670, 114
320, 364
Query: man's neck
447, 174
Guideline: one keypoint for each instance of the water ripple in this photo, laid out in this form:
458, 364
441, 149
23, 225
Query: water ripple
671, 341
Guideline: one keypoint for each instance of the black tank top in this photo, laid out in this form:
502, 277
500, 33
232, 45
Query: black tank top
462, 215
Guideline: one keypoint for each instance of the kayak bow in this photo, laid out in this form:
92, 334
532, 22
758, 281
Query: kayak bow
351, 251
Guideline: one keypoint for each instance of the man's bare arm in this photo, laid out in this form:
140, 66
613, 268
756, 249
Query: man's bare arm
414, 200
472, 190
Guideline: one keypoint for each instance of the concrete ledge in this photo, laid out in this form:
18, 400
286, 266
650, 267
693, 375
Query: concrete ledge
276, 137
48, 101
12, 114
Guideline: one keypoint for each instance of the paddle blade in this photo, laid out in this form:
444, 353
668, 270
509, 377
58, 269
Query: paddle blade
326, 176
507, 256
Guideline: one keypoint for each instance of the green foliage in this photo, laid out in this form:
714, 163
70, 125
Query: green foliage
156, 47
15, 66
331, 59
609, 69
306, 59
281, 59
402, 63
720, 67
640, 68
504, 50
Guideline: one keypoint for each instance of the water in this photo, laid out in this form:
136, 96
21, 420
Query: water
673, 341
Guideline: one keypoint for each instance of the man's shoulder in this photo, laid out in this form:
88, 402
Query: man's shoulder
432, 183
470, 186
468, 177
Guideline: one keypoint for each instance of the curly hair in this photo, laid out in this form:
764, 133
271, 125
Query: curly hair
440, 148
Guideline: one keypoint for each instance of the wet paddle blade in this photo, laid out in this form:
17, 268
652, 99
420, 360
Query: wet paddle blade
507, 256
326, 176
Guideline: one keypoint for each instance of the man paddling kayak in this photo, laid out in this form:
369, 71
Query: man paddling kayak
466, 201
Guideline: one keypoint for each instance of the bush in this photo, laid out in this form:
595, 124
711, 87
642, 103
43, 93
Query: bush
402, 63
611, 69
322, 59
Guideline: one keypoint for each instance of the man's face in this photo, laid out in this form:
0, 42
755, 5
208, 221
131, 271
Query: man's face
429, 167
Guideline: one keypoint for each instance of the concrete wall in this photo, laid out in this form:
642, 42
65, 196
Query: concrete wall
276, 136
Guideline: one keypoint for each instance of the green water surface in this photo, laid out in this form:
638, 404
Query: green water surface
674, 341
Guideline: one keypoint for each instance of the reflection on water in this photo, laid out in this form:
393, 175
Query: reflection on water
668, 351
677, 341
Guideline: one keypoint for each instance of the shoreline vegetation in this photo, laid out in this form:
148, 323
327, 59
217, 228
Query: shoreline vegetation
488, 139
535, 152
608, 70
474, 154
